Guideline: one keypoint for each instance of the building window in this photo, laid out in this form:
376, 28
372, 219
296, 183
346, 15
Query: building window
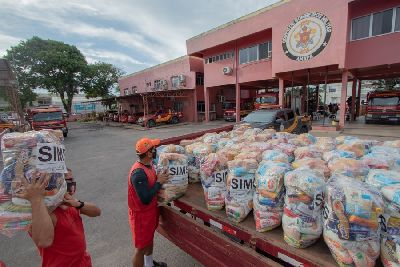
148, 84
157, 84
219, 57
126, 91
332, 90
397, 24
44, 102
360, 27
382, 22
175, 81
134, 89
201, 106
256, 52
178, 106
199, 78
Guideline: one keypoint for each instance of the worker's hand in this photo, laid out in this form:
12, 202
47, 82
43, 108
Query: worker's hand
70, 201
163, 177
35, 190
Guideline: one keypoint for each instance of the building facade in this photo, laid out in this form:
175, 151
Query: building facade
176, 85
296, 43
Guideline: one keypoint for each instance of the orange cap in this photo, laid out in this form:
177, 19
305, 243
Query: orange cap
145, 144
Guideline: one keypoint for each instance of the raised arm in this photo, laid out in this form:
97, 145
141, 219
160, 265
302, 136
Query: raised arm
88, 209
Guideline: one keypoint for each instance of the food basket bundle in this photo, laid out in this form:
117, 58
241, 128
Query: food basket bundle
358, 148
350, 167
239, 129
302, 216
381, 178
284, 135
288, 149
214, 172
240, 185
275, 155
334, 154
313, 164
28, 156
325, 143
394, 143
169, 149
305, 139
228, 153
351, 221
382, 161
307, 152
193, 166
176, 186
249, 154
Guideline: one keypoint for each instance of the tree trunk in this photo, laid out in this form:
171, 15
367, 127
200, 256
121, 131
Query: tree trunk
65, 104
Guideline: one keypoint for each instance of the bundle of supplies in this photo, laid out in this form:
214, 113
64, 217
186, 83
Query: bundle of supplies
275, 155
350, 167
325, 143
269, 198
302, 216
351, 221
305, 139
240, 185
214, 171
334, 154
307, 152
177, 167
27, 157
313, 164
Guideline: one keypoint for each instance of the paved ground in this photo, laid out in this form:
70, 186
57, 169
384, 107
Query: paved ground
100, 158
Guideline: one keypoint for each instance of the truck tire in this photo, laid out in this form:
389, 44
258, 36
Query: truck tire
65, 134
303, 129
151, 123
174, 120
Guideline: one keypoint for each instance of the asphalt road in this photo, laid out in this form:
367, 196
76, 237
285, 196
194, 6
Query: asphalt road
100, 158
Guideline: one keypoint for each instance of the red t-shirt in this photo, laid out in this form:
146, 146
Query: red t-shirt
69, 245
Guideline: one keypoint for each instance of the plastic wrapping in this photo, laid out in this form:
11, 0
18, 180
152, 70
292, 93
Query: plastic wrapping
284, 135
302, 217
28, 156
275, 155
228, 153
240, 184
313, 164
239, 129
351, 221
305, 139
269, 198
381, 178
307, 152
249, 154
214, 171
193, 162
175, 187
334, 154
169, 149
394, 143
350, 167
325, 143
382, 161
259, 146
357, 148
288, 149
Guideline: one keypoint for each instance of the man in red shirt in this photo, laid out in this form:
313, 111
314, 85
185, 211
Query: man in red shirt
59, 235
143, 185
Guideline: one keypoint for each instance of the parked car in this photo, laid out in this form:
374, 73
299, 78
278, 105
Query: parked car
284, 120
161, 116
133, 118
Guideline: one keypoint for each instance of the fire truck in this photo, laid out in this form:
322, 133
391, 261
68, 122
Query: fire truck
383, 106
47, 117
267, 100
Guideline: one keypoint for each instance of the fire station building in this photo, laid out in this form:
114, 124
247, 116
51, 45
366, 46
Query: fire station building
288, 46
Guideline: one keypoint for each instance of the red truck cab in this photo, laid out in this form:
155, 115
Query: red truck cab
47, 118
383, 107
229, 108
267, 100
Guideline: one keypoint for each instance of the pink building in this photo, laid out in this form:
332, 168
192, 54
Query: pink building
176, 84
300, 43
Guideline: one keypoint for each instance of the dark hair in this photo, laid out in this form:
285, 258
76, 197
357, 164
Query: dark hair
142, 156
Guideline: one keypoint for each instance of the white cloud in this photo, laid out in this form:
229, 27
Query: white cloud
6, 41
94, 55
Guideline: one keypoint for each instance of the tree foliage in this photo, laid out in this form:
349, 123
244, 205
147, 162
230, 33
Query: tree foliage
100, 79
388, 84
59, 68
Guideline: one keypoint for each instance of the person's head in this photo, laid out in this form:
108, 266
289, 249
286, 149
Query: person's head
71, 184
146, 149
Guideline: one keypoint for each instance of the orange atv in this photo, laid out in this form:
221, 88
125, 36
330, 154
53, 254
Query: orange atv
161, 116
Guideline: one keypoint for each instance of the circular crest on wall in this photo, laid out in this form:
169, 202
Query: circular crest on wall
307, 36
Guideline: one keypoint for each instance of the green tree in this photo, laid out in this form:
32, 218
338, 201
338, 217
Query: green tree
100, 80
49, 64
388, 84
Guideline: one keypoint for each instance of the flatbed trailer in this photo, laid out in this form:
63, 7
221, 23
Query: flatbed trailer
214, 240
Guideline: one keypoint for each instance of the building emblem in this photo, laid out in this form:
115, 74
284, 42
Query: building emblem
307, 36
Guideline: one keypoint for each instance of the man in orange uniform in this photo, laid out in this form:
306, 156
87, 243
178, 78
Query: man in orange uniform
143, 185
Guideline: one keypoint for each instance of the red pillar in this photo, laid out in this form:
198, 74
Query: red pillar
359, 98
207, 104
195, 118
237, 102
343, 97
281, 92
353, 99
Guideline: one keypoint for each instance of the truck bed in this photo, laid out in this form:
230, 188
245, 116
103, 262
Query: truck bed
270, 244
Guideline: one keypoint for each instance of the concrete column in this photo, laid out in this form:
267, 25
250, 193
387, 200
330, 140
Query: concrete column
207, 104
237, 97
343, 97
359, 98
353, 99
195, 118
281, 92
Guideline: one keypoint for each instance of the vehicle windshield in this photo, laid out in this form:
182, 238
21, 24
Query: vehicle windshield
385, 101
229, 105
266, 100
48, 116
266, 117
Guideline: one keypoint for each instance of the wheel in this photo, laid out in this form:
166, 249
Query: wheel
174, 120
304, 129
65, 134
151, 123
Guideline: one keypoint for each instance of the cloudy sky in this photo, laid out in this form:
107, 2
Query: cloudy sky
131, 34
